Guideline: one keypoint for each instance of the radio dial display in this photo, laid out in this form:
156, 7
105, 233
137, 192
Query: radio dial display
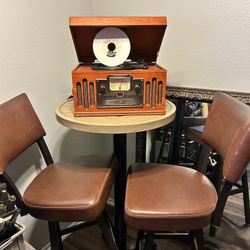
119, 83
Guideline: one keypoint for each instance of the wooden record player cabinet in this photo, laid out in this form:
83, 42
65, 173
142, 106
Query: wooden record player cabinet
92, 91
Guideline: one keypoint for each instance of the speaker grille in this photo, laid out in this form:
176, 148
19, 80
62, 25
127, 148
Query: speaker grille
79, 94
160, 84
153, 92
85, 93
91, 94
147, 99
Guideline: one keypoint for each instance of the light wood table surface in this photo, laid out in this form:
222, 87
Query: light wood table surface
113, 124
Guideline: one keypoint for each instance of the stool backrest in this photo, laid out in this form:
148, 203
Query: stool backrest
227, 130
19, 128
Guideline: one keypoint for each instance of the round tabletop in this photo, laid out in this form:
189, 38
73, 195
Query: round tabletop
113, 124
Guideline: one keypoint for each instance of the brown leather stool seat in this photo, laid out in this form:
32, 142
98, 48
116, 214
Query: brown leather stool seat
74, 191
153, 204
93, 179
162, 197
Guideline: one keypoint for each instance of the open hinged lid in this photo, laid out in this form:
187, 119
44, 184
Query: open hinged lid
145, 35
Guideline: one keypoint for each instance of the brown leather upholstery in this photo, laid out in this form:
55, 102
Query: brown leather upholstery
227, 130
20, 127
61, 192
71, 191
163, 197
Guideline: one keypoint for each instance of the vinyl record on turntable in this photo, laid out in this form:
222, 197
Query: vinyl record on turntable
111, 46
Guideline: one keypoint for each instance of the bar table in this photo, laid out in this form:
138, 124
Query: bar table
119, 126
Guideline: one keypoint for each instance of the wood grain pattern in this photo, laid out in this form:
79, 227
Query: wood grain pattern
144, 32
82, 72
117, 20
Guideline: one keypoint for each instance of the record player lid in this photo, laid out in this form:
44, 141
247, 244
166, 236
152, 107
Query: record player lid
145, 35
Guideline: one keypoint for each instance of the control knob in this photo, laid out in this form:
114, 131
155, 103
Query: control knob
102, 89
137, 89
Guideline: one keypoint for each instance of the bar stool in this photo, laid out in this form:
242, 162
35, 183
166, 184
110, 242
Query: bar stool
162, 197
63, 191
216, 176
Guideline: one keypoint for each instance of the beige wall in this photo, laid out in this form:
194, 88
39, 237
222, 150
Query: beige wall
36, 57
207, 43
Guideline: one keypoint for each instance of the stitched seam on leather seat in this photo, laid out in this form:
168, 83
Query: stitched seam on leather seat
89, 205
70, 207
164, 216
57, 207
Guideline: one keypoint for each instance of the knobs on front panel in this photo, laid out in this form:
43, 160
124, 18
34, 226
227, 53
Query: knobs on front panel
102, 89
137, 89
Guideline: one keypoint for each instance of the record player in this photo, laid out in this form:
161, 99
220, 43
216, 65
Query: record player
117, 72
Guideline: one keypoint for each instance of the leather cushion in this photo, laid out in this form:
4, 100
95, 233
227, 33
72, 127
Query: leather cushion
167, 197
72, 191
227, 131
20, 127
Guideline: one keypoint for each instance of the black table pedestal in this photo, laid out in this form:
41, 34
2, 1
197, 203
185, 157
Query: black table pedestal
120, 143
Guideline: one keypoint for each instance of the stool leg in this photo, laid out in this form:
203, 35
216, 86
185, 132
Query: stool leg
149, 240
106, 227
55, 236
216, 218
199, 238
138, 240
246, 197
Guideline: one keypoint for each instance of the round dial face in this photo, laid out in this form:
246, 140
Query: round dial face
119, 83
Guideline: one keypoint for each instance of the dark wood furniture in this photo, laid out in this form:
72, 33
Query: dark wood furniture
135, 91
